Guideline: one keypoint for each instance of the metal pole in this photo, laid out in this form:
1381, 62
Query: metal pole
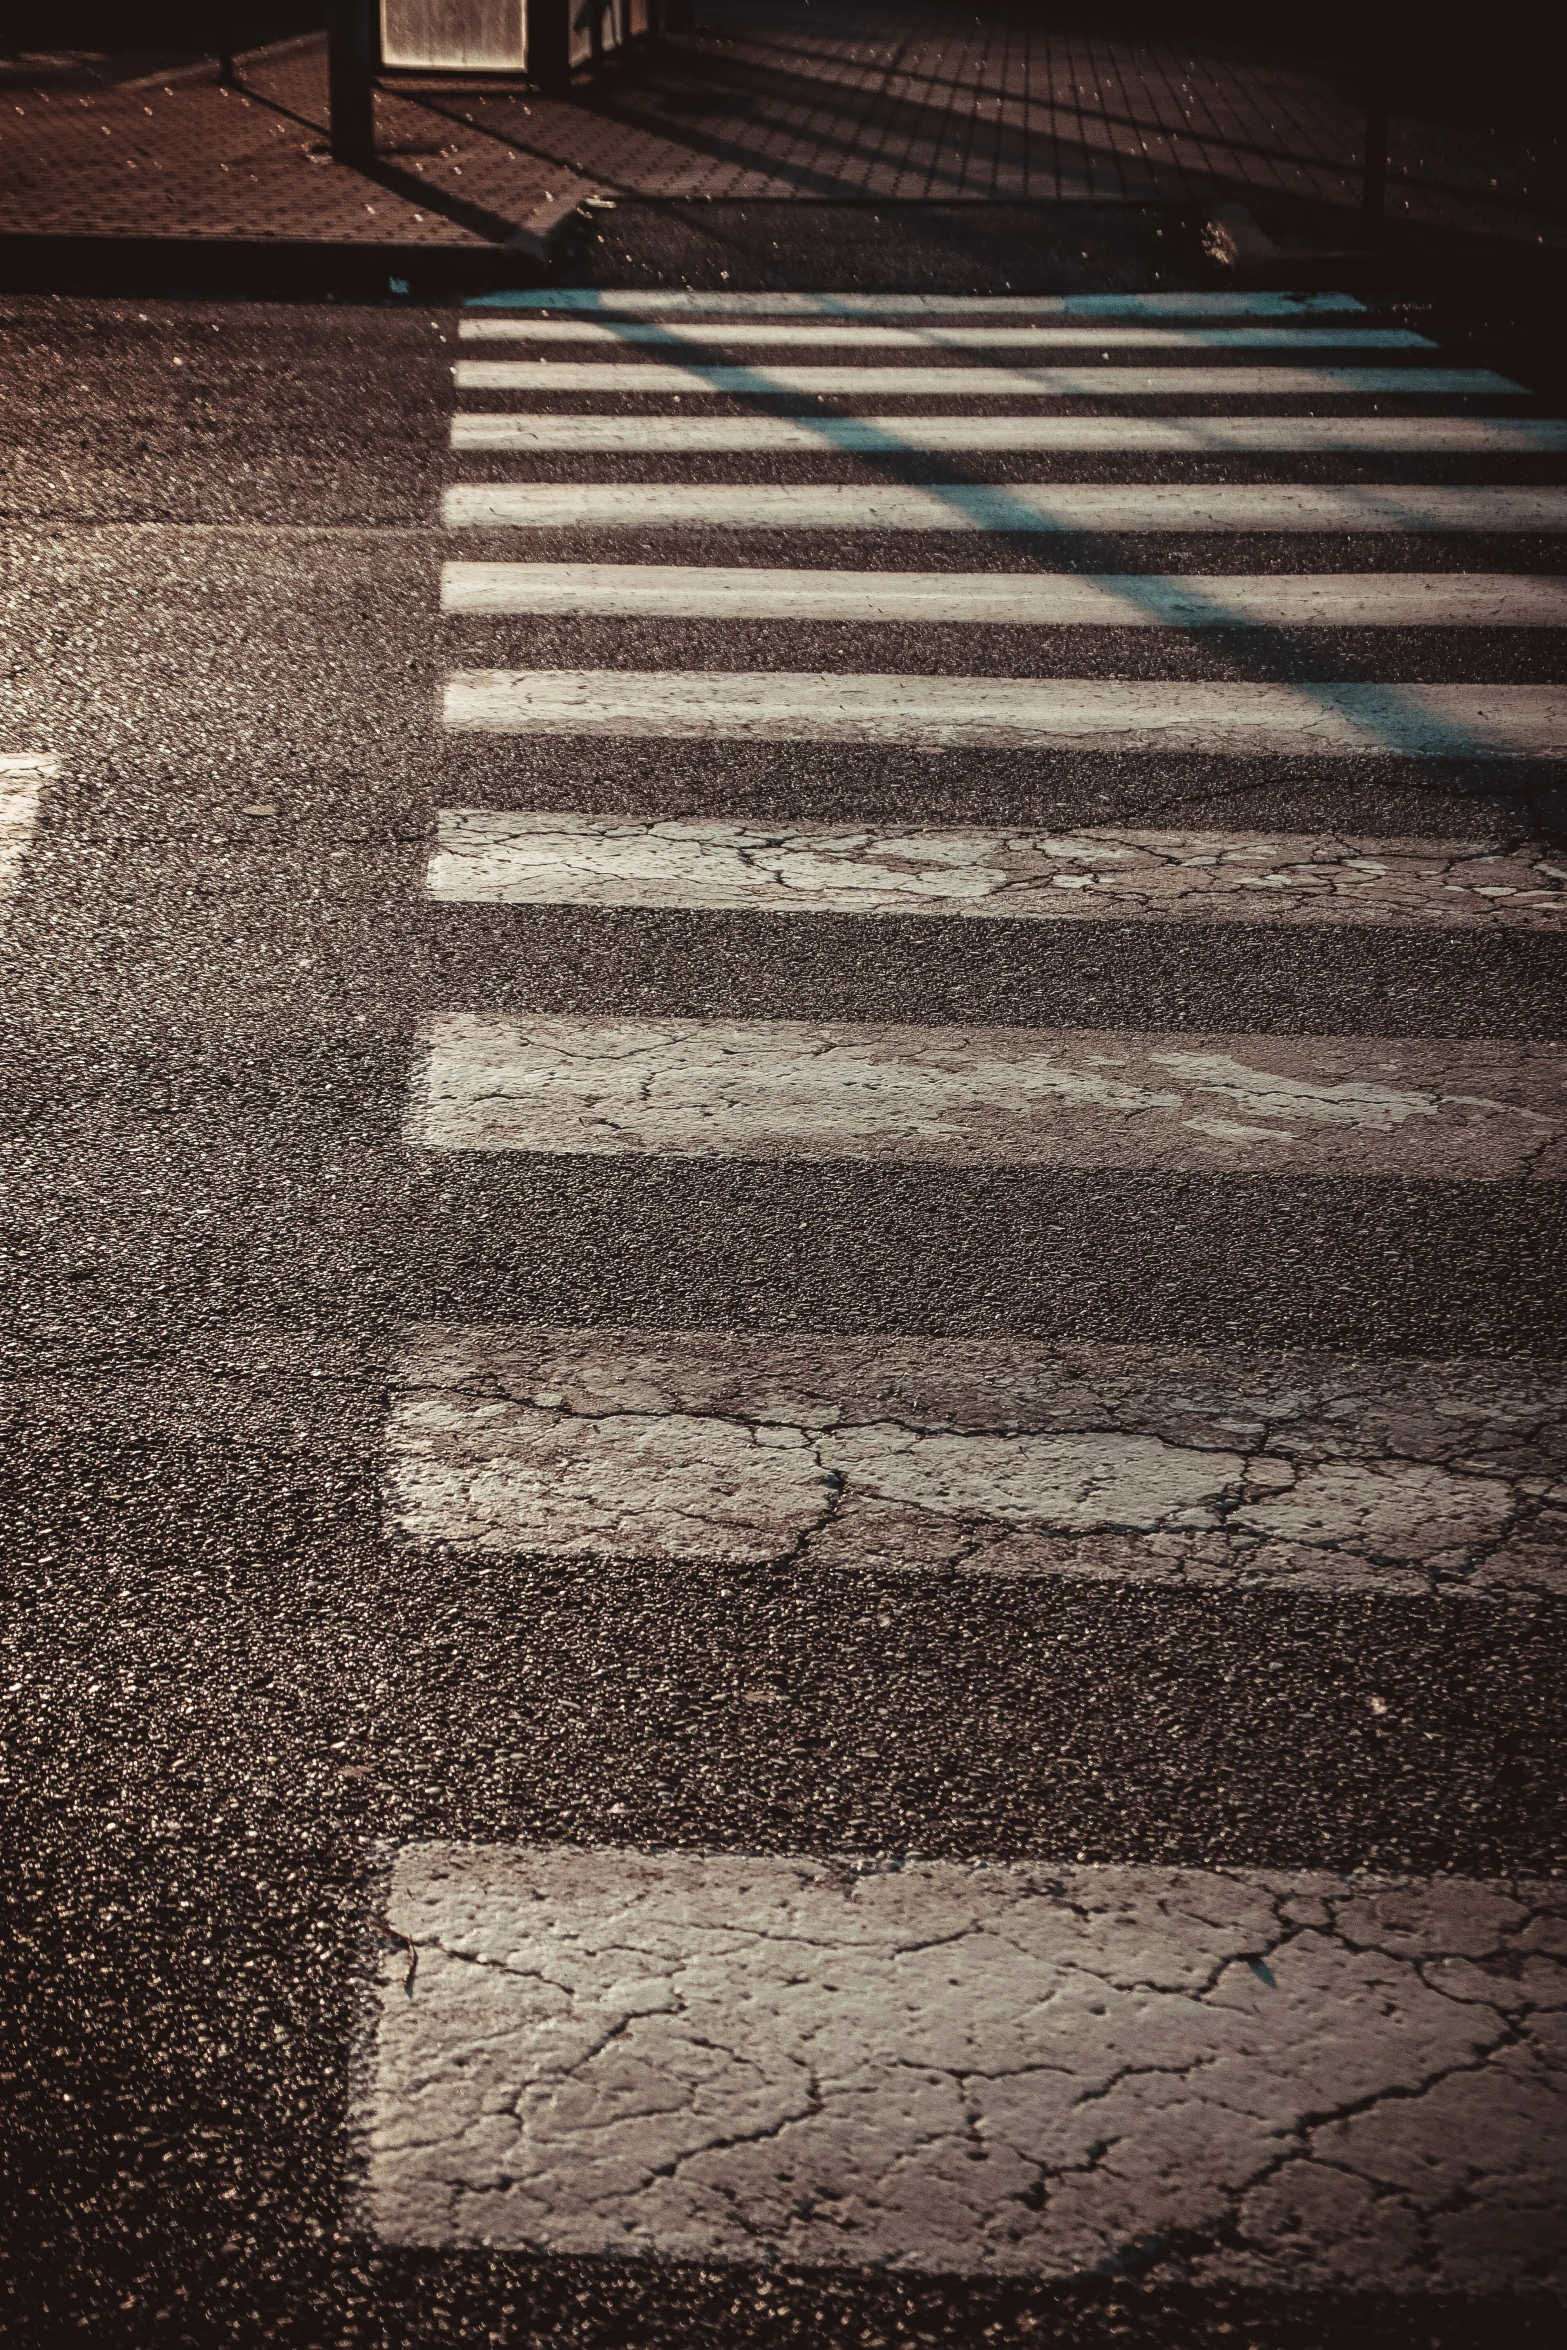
1373, 165
549, 43
352, 48
225, 46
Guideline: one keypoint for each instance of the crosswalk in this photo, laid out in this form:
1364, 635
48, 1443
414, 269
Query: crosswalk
865, 337
23, 775
1285, 2080
1155, 506
673, 302
981, 1457
972, 2068
1236, 720
653, 381
693, 591
794, 1089
521, 857
1219, 436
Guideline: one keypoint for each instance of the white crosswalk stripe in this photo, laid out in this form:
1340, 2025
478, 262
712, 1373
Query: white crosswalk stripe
982, 1457
864, 337
968, 2068
1200, 436
23, 775
1233, 720
505, 857
1323, 2083
797, 1089
1388, 599
1014, 506
679, 302
545, 377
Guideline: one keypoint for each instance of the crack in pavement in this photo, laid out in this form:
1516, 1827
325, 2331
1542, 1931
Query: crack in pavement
504, 857
821, 1452
968, 2066
791, 1089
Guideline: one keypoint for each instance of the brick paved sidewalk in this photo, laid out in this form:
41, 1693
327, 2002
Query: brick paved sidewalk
846, 99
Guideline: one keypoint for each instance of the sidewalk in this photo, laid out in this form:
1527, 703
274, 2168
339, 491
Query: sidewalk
846, 100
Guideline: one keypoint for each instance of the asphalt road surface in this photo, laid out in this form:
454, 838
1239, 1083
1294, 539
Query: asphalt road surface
785, 1408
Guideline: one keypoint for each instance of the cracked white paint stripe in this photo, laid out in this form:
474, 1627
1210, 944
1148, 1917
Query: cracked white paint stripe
1223, 720
1287, 2080
881, 435
766, 380
795, 1089
1061, 599
23, 775
507, 857
949, 338
1028, 507
937, 1456
633, 302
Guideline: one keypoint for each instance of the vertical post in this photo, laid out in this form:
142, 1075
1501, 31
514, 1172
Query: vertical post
596, 38
352, 48
225, 51
1373, 164
549, 43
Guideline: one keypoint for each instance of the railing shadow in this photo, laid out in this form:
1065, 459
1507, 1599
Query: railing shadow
631, 96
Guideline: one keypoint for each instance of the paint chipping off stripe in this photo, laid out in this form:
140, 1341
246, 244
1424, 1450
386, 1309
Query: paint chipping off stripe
632, 378
1290, 2082
1061, 599
794, 1089
924, 1456
991, 713
502, 857
23, 775
1028, 507
884, 435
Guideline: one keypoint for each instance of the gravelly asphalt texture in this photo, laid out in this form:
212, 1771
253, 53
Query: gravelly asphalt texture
220, 576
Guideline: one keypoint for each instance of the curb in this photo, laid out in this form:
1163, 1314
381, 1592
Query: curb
44, 260
541, 232
48, 262
1239, 243
1236, 240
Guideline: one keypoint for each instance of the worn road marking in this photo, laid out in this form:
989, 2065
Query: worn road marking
888, 435
506, 857
940, 1456
796, 1089
951, 713
669, 334
1287, 2081
684, 302
1137, 507
630, 377
1060, 599
23, 775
